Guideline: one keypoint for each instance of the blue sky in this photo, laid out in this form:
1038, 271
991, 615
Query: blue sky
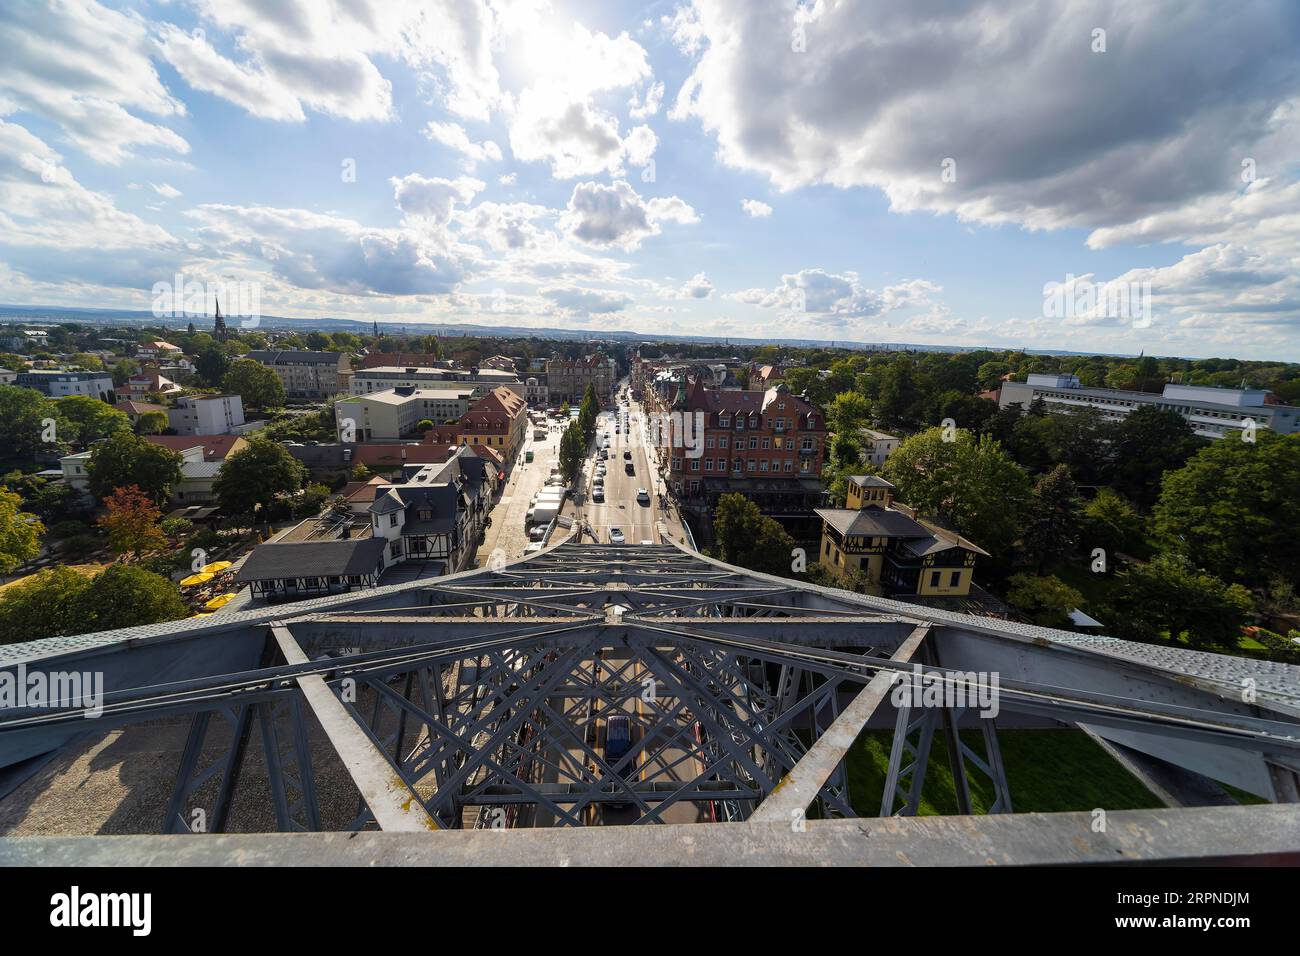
589, 164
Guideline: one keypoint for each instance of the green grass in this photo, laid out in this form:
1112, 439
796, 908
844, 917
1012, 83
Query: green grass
1048, 771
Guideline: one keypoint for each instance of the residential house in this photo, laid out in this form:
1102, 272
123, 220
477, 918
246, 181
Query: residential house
150, 382
307, 374
207, 415
395, 412
877, 446
567, 379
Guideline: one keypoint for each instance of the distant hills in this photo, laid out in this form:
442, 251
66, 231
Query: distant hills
53, 314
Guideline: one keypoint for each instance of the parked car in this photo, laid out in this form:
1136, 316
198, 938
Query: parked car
616, 536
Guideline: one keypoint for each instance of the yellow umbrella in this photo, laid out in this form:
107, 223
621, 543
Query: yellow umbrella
220, 601
203, 577
216, 566
202, 614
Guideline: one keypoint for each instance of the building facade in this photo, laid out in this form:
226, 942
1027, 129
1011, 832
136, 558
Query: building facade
481, 380
312, 375
60, 384
1211, 412
206, 414
395, 412
567, 379
900, 554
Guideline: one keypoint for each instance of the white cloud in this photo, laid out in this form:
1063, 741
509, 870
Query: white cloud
617, 216
756, 209
834, 298
166, 191
453, 135
577, 301
433, 199
85, 68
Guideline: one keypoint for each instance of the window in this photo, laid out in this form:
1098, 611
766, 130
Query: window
753, 443
722, 441
826, 549
724, 421
762, 465
392, 521
767, 443
708, 442
708, 464
954, 579
789, 465
740, 424
677, 464
752, 464
737, 464
695, 464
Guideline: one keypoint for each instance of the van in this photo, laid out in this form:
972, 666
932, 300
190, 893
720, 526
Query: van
618, 738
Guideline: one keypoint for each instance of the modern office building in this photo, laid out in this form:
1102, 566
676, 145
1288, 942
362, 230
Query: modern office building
57, 383
1212, 412
482, 380
395, 412
207, 415
307, 374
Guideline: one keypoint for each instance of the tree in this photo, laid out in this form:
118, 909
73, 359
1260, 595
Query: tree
257, 385
969, 484
847, 413
20, 532
126, 459
127, 596
1170, 599
588, 412
91, 418
1046, 601
212, 362
573, 449
1233, 508
749, 538
130, 520
43, 605
152, 423
1050, 529
25, 424
1146, 445
1110, 523
253, 477
898, 393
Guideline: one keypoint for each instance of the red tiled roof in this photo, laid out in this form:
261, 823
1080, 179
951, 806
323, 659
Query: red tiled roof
215, 447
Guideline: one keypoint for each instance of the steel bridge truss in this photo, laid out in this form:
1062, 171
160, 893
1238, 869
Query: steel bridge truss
484, 700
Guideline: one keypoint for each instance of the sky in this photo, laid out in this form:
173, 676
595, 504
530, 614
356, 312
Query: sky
1084, 175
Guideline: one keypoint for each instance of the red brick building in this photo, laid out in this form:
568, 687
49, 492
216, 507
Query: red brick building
768, 446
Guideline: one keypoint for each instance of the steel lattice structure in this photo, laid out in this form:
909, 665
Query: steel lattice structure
483, 700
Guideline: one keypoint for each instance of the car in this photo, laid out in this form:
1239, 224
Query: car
642, 496
598, 493
616, 536
537, 534
627, 456
629, 468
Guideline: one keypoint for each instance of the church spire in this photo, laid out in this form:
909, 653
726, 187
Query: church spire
219, 331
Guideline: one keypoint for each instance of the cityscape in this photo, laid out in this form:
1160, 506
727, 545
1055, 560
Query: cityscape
547, 434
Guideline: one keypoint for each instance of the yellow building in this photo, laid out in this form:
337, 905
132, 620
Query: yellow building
900, 553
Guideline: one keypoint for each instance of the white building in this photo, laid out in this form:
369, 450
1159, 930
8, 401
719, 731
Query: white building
1212, 412
394, 412
384, 377
877, 446
60, 384
207, 415
536, 394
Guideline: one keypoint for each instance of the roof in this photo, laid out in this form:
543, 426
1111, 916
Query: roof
877, 435
137, 408
298, 356
391, 396
298, 559
870, 481
874, 522
215, 447
200, 469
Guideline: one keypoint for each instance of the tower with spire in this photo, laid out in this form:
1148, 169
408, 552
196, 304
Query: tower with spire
219, 331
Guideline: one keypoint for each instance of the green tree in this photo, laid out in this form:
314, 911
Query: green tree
20, 532
126, 596
1046, 601
573, 449
749, 538
1170, 599
1146, 445
152, 423
25, 416
1233, 508
1050, 534
1110, 523
125, 459
92, 418
588, 412
257, 385
253, 477
212, 362
43, 605
969, 484
847, 413
899, 393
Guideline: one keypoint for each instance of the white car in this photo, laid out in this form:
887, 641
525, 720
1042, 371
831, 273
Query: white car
616, 536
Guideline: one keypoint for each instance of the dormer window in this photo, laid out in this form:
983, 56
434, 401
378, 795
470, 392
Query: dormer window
724, 421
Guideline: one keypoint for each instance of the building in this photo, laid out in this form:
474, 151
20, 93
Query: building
395, 412
403, 360
768, 446
307, 374
482, 380
899, 553
502, 363
207, 415
498, 421
8, 376
427, 524
134, 409
213, 447
536, 394
58, 383
150, 351
567, 379
877, 446
1212, 412
150, 382
200, 463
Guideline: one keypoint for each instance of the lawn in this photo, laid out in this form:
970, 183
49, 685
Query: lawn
1048, 771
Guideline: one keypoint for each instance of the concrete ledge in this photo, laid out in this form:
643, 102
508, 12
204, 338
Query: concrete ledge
1261, 835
